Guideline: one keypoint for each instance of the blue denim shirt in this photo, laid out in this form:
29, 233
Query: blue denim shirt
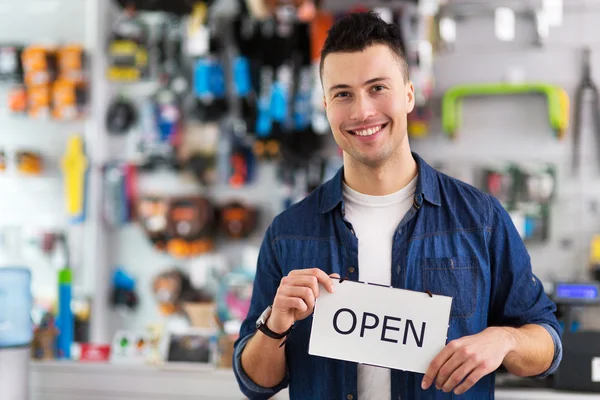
455, 241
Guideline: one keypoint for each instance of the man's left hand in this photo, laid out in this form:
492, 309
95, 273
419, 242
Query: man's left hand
465, 361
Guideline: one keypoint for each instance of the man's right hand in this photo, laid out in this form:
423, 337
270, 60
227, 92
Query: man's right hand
295, 298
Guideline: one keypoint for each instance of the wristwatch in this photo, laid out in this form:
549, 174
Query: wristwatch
261, 325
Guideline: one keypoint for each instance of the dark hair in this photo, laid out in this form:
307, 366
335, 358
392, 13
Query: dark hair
357, 31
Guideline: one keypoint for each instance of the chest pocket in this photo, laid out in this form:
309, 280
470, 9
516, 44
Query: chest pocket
455, 277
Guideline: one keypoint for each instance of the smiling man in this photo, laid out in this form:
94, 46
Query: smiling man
388, 218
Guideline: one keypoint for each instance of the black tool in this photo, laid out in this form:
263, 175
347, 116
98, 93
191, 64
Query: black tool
585, 85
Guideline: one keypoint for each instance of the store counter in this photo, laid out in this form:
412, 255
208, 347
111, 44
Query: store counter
56, 380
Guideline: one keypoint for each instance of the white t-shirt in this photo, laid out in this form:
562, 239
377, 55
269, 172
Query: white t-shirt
374, 220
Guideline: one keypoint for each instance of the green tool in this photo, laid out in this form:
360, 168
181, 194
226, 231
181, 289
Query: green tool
558, 102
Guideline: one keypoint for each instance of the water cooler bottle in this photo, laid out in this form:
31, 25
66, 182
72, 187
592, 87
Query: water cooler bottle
15, 333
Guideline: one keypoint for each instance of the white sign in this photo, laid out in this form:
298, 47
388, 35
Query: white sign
596, 369
372, 324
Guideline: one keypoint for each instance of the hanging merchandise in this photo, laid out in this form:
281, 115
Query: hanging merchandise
128, 48
319, 27
74, 166
151, 213
198, 151
39, 101
198, 33
557, 99
121, 116
243, 163
267, 149
191, 224
26, 162
264, 119
527, 193
172, 289
237, 220
161, 125
69, 100
39, 65
69, 93
123, 290
171, 62
157, 147
586, 89
39, 70
11, 69
209, 89
17, 99
234, 296
71, 63
244, 68
418, 50
54, 83
29, 162
168, 115
65, 321
117, 204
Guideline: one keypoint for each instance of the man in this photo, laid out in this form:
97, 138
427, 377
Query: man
389, 218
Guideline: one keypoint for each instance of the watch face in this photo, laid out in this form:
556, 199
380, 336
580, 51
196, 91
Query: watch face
263, 317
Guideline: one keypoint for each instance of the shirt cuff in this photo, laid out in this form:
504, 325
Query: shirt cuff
558, 351
247, 385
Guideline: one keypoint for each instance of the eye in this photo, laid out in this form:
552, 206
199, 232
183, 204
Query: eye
378, 88
341, 94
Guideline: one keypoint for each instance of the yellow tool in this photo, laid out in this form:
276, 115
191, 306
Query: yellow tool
74, 166
595, 251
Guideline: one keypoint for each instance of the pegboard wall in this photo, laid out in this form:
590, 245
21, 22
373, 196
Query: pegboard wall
494, 130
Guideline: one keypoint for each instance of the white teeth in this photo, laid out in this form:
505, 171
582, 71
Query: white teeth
368, 132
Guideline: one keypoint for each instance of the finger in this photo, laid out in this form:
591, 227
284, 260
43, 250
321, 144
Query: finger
302, 280
459, 374
459, 357
322, 277
437, 363
471, 380
290, 303
334, 276
301, 292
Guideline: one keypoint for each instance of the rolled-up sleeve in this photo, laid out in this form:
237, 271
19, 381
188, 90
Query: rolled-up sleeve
266, 282
517, 296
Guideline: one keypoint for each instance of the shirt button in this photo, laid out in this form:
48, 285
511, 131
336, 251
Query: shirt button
349, 397
351, 270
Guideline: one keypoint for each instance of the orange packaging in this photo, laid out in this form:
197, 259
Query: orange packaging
71, 62
318, 33
38, 65
65, 102
29, 163
17, 99
39, 101
2, 161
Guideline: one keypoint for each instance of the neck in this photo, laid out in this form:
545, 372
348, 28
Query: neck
388, 178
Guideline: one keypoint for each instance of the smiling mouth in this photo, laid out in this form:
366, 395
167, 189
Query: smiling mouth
369, 131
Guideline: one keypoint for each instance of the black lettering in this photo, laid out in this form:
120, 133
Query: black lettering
391, 328
419, 340
364, 320
335, 317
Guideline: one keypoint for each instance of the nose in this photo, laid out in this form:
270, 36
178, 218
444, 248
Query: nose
362, 108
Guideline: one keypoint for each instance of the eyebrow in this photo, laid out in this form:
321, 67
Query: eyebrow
370, 81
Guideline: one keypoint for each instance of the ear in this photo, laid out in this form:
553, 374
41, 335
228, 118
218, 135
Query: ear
324, 103
410, 97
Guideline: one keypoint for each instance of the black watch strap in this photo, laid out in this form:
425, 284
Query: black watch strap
265, 329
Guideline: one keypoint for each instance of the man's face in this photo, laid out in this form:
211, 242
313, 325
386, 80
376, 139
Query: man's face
367, 101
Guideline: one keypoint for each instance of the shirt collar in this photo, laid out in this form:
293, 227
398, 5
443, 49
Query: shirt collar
427, 187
